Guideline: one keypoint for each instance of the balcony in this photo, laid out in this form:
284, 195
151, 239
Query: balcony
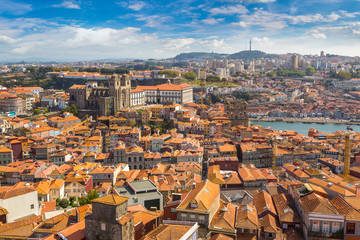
330, 235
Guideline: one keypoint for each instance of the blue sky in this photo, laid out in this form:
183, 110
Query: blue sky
94, 29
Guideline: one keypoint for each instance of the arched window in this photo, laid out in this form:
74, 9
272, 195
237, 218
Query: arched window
135, 167
129, 159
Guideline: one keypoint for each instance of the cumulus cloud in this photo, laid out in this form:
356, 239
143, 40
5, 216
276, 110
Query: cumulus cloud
264, 41
276, 21
68, 4
317, 35
152, 20
212, 20
133, 5
7, 40
240, 24
15, 8
260, 1
229, 10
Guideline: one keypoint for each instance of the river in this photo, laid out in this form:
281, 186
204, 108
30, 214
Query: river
303, 128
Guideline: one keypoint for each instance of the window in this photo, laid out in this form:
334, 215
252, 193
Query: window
183, 217
316, 226
173, 210
103, 226
350, 228
129, 159
326, 227
335, 227
201, 219
32, 206
192, 217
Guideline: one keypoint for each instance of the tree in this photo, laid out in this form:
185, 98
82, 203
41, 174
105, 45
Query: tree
92, 194
212, 78
64, 203
71, 109
342, 75
36, 111
169, 73
31, 69
121, 71
309, 71
190, 75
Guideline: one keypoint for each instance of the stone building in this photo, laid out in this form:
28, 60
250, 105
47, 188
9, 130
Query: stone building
109, 219
102, 101
237, 113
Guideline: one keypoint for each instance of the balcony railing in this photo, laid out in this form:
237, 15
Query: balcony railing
336, 235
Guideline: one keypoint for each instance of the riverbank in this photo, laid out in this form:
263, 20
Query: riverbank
303, 128
305, 120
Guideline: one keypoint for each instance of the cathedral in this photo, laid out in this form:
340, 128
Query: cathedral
97, 100
237, 113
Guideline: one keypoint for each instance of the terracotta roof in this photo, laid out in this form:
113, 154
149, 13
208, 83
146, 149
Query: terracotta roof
220, 237
345, 208
5, 149
263, 201
111, 200
75, 231
224, 218
247, 217
10, 192
3, 211
314, 203
167, 231
201, 197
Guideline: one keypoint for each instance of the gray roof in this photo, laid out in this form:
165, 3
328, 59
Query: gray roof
142, 185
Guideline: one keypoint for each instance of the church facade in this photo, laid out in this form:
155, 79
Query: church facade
237, 113
97, 100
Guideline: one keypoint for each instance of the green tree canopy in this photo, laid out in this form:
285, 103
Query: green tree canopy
190, 75
342, 75
169, 73
309, 71
212, 78
64, 203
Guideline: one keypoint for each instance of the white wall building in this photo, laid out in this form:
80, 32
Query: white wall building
159, 94
19, 202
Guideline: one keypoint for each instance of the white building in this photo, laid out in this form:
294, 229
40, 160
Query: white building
19, 201
137, 97
160, 94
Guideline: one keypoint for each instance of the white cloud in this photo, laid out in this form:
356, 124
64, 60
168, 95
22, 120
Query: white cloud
212, 20
265, 41
240, 24
260, 1
276, 21
134, 5
15, 8
176, 44
229, 10
152, 20
332, 17
68, 4
317, 35
7, 40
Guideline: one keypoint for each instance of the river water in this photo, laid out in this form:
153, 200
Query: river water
303, 128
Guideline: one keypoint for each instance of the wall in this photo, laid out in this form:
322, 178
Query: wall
20, 206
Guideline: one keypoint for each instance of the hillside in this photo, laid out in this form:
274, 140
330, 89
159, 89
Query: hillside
244, 55
199, 56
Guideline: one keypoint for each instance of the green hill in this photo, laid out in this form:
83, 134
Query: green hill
244, 55
199, 56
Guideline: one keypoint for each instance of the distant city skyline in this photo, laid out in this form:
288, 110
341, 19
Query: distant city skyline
69, 30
